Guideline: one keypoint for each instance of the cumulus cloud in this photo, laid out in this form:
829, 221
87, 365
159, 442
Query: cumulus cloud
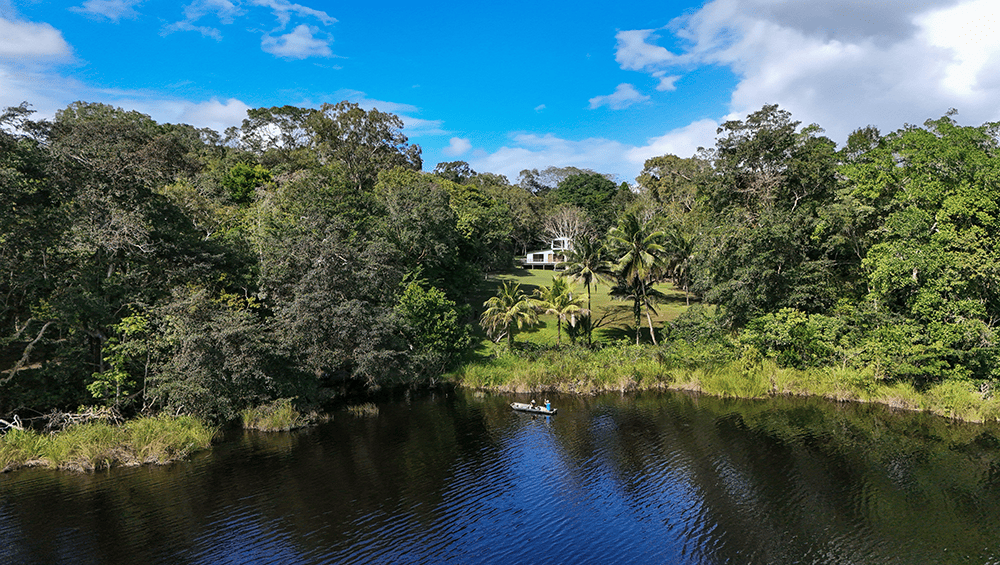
213, 113
300, 43
534, 151
636, 50
20, 40
839, 63
113, 10
528, 150
457, 146
624, 96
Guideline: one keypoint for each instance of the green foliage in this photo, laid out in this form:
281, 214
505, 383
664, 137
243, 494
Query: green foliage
217, 357
641, 261
592, 192
794, 338
242, 180
765, 203
433, 328
509, 309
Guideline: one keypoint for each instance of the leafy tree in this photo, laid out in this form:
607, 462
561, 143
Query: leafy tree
456, 171
542, 182
279, 136
934, 192
217, 357
509, 309
765, 202
363, 143
422, 230
433, 328
242, 181
674, 181
593, 193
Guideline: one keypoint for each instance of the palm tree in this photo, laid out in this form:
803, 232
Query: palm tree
558, 299
586, 262
641, 262
508, 308
642, 295
680, 245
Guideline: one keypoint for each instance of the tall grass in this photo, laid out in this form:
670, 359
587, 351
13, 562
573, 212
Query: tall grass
99, 445
628, 367
278, 416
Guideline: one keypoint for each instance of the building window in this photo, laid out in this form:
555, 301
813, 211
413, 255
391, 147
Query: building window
557, 244
537, 258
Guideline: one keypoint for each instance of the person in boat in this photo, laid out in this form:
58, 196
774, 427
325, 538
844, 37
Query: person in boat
533, 404
548, 405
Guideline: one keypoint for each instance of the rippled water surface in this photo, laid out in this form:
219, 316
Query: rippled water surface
456, 477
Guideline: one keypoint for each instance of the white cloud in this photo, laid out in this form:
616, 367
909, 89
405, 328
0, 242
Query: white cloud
213, 113
300, 43
534, 151
457, 146
624, 96
417, 127
361, 99
113, 10
840, 63
971, 32
635, 52
682, 142
539, 151
23, 40
283, 10
224, 10
185, 25
666, 82
540, 107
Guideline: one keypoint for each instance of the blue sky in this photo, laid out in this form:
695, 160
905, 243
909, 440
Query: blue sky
515, 85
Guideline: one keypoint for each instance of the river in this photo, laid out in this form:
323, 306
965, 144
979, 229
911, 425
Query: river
457, 477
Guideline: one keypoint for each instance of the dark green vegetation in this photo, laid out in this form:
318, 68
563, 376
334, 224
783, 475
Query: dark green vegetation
157, 268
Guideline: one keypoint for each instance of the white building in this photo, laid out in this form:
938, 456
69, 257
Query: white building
548, 258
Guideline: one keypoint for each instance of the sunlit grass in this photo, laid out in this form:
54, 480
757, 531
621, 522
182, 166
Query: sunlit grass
625, 367
100, 445
617, 315
277, 416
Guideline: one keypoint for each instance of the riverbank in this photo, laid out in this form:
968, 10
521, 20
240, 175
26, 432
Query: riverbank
625, 368
101, 445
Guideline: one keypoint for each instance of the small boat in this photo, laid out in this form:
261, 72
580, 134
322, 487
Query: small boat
522, 407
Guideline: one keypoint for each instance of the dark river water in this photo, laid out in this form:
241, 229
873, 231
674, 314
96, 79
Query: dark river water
457, 477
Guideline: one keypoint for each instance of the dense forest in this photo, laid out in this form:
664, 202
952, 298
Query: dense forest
163, 268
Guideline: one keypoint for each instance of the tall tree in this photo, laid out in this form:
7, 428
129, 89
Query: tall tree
587, 262
933, 257
640, 261
363, 143
765, 203
591, 192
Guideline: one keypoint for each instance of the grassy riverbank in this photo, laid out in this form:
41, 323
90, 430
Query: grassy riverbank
101, 445
625, 367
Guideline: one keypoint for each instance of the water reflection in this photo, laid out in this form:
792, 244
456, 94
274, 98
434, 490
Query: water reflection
458, 477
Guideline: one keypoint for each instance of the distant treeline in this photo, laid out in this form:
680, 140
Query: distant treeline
159, 267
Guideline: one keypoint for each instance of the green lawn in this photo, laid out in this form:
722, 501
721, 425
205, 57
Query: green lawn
614, 316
